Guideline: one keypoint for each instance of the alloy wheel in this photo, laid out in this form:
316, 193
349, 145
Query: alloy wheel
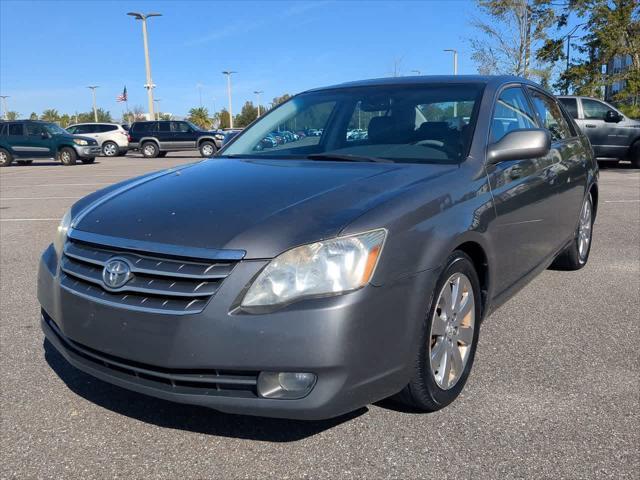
584, 229
149, 150
110, 149
66, 156
452, 331
3, 157
207, 150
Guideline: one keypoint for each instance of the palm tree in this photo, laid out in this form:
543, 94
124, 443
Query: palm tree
200, 116
50, 115
11, 115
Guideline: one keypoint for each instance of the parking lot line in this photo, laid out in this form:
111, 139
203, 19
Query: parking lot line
29, 219
38, 198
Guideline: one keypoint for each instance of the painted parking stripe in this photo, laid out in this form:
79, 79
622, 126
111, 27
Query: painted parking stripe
29, 219
37, 198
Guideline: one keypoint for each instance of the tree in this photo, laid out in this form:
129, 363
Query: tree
50, 115
164, 116
88, 117
200, 117
510, 36
278, 100
223, 117
612, 30
33, 116
65, 120
247, 115
12, 115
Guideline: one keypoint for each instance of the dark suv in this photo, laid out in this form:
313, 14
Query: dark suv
613, 136
155, 139
28, 140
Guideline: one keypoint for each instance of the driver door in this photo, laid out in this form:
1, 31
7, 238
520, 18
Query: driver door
38, 140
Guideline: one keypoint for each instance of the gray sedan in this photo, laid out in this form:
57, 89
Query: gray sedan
309, 278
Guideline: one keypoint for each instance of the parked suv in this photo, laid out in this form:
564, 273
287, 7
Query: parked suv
155, 139
613, 135
112, 138
28, 140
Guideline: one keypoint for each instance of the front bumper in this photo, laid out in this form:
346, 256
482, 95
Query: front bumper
360, 345
89, 151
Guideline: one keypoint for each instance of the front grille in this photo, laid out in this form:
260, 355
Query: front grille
162, 285
175, 380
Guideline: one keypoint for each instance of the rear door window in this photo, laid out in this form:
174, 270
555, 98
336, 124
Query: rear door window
106, 128
512, 112
551, 116
164, 127
16, 129
570, 105
144, 127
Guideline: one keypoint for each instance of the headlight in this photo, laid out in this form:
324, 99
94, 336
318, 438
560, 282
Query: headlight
318, 269
218, 136
80, 141
61, 233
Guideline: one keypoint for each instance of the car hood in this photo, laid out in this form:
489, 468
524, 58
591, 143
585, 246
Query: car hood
262, 207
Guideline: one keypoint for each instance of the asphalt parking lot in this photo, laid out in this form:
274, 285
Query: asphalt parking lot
554, 392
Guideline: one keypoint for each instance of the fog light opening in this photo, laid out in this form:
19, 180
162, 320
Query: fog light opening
289, 385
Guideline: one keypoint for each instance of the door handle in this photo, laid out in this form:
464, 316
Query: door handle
590, 125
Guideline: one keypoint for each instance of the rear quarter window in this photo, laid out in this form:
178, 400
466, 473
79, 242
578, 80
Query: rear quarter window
107, 128
143, 127
570, 105
3, 129
16, 129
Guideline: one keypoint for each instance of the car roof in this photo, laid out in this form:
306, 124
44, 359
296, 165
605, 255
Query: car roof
93, 123
430, 80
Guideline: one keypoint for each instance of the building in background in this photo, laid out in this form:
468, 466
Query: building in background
618, 64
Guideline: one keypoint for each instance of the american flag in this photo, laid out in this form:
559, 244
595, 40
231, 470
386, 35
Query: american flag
123, 96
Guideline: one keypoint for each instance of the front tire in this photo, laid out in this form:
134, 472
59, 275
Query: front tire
67, 156
207, 149
150, 150
449, 338
110, 149
576, 255
6, 158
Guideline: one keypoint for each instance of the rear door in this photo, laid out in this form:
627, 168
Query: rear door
522, 194
165, 136
17, 140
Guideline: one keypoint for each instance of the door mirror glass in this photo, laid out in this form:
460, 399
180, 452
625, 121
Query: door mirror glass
612, 116
520, 145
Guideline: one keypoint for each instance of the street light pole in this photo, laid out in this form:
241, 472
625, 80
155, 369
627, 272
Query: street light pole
149, 85
258, 93
4, 106
455, 59
199, 87
95, 110
228, 73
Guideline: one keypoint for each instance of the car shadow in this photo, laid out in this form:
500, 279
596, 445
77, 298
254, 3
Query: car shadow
191, 418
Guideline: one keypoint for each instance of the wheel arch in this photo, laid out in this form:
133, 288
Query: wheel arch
480, 260
206, 139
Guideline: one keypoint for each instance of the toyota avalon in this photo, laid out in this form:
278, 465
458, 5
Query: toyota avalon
309, 278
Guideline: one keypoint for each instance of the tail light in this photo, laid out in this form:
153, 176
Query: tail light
129, 136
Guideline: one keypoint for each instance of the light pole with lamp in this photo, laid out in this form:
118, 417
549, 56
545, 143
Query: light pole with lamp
95, 110
149, 85
228, 73
258, 93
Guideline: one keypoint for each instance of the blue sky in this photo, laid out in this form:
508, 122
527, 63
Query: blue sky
51, 50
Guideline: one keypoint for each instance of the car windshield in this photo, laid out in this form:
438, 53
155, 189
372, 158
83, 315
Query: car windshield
194, 126
54, 129
399, 123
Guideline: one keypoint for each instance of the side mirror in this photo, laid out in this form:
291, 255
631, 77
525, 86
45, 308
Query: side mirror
520, 145
45, 135
612, 116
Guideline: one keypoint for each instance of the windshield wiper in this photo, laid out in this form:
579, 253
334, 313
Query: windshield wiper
344, 157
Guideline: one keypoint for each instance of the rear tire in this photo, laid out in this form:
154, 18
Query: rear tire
6, 158
110, 149
635, 155
207, 149
576, 255
67, 156
24, 162
449, 338
88, 161
150, 150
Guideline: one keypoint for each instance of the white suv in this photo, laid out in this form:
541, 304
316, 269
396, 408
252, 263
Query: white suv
112, 138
